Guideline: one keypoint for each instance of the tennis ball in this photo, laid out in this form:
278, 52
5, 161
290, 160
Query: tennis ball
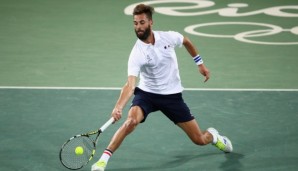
79, 150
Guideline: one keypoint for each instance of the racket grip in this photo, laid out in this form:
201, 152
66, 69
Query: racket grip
107, 124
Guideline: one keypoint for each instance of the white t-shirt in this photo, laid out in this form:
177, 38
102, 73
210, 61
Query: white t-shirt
157, 64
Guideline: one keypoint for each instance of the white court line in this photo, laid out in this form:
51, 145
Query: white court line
60, 88
119, 88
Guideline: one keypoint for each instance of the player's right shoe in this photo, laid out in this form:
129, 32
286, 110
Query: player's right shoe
99, 166
223, 143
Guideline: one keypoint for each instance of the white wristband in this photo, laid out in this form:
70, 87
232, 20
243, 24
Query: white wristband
198, 59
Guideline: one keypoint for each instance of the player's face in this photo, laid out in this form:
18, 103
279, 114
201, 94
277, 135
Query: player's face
142, 26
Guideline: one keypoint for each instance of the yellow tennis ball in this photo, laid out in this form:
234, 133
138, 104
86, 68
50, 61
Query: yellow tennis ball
79, 150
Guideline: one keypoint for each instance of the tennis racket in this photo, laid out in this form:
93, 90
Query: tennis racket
68, 155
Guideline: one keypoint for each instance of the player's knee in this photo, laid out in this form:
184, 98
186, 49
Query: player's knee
130, 124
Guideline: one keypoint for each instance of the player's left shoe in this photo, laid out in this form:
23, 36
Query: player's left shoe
99, 166
223, 143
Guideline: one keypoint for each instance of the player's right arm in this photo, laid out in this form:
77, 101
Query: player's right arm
126, 92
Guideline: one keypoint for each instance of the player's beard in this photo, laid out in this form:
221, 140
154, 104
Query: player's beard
143, 35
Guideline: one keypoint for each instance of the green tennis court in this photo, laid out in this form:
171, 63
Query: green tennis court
62, 64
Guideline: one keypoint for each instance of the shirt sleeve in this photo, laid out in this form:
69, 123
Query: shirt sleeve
133, 68
177, 38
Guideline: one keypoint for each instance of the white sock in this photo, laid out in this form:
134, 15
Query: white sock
106, 155
214, 135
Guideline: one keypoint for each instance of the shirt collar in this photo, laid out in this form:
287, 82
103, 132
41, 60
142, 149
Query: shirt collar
156, 38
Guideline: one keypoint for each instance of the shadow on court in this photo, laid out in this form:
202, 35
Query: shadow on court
232, 162
261, 125
177, 161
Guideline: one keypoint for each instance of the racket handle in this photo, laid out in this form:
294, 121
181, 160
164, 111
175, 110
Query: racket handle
107, 124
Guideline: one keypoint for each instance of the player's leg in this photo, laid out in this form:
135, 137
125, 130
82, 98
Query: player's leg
191, 128
174, 107
135, 116
177, 110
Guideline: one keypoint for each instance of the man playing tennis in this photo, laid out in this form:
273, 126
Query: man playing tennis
154, 61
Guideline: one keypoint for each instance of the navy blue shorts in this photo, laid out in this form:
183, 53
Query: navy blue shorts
172, 105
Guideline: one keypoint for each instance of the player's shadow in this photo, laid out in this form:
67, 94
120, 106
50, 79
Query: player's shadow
232, 162
178, 161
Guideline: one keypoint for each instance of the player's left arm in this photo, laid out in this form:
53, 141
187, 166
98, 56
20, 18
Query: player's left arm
194, 52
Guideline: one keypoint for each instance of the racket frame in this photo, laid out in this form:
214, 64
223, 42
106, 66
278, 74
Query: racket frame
98, 132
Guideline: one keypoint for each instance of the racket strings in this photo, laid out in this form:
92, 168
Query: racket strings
75, 161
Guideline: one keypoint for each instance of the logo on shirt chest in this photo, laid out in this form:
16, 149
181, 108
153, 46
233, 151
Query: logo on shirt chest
167, 46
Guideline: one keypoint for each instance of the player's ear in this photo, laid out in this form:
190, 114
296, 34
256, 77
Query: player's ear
151, 22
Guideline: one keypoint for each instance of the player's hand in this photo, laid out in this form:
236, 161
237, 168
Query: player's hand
117, 114
204, 71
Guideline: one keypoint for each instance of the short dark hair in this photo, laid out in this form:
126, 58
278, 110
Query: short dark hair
142, 8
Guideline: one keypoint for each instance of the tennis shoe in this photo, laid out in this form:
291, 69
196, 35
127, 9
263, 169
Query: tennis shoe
99, 166
223, 143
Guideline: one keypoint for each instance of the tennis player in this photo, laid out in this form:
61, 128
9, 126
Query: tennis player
153, 60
